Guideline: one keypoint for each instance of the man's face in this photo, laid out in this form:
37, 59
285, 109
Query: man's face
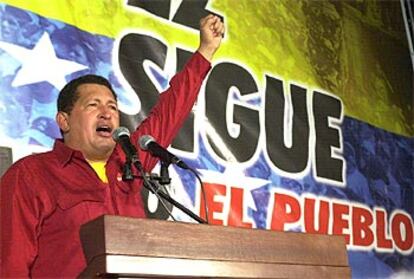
90, 124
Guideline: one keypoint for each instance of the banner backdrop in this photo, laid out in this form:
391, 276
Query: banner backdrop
304, 123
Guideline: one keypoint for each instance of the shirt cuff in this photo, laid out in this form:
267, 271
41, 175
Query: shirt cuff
199, 64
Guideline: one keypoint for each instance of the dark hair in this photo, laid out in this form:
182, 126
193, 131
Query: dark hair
70, 94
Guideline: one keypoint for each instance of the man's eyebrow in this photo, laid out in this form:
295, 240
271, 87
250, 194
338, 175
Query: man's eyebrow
94, 99
113, 102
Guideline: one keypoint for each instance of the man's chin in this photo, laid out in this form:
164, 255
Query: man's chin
106, 146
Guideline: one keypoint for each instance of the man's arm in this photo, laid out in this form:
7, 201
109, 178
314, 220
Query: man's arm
174, 105
19, 221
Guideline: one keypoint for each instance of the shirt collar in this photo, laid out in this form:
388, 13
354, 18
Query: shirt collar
64, 153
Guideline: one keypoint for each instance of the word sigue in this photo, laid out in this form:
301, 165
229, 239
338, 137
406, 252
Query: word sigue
363, 228
299, 128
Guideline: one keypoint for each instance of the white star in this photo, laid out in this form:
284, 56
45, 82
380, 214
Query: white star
41, 63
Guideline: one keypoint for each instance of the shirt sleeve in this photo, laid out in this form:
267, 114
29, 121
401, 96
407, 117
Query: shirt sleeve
173, 107
20, 219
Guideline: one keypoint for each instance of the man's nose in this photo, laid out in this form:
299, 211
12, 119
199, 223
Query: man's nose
105, 112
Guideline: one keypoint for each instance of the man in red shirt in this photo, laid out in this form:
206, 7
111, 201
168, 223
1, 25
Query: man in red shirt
45, 198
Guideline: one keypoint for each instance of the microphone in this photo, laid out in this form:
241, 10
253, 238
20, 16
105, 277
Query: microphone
147, 142
121, 136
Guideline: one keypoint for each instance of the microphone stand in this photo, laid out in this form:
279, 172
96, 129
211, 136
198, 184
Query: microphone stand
164, 174
153, 188
127, 171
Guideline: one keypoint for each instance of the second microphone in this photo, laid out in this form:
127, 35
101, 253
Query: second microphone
147, 142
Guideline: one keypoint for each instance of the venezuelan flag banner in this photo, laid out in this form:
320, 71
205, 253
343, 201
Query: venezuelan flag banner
305, 122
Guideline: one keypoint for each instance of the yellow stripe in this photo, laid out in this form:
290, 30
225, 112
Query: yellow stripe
268, 37
109, 18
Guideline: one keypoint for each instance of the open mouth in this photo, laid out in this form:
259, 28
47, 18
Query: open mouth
104, 130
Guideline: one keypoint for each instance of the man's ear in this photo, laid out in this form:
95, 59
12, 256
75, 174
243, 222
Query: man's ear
62, 119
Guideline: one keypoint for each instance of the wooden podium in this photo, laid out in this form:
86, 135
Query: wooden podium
145, 248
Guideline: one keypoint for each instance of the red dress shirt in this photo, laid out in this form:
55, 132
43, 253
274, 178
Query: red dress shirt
45, 198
